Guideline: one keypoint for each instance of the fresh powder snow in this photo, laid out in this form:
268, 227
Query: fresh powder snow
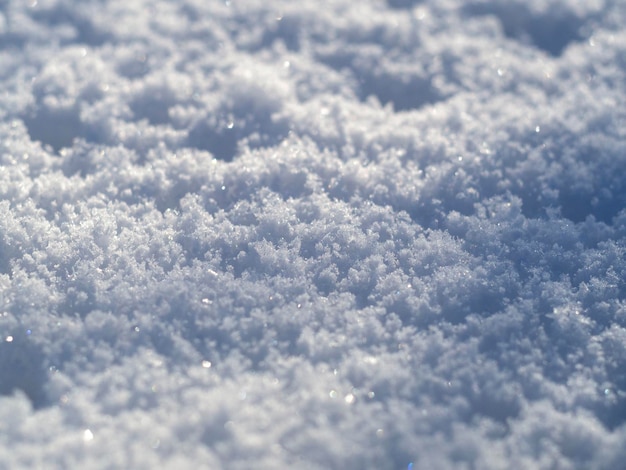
324, 234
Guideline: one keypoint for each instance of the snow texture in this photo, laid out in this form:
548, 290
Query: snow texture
386, 234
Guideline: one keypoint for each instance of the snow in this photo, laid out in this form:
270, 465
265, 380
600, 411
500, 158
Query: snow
332, 235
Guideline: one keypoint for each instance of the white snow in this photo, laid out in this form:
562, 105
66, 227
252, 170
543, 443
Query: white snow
387, 234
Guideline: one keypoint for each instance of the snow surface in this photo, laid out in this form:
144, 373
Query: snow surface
324, 234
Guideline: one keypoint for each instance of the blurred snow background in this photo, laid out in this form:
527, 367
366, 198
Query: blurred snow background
319, 234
